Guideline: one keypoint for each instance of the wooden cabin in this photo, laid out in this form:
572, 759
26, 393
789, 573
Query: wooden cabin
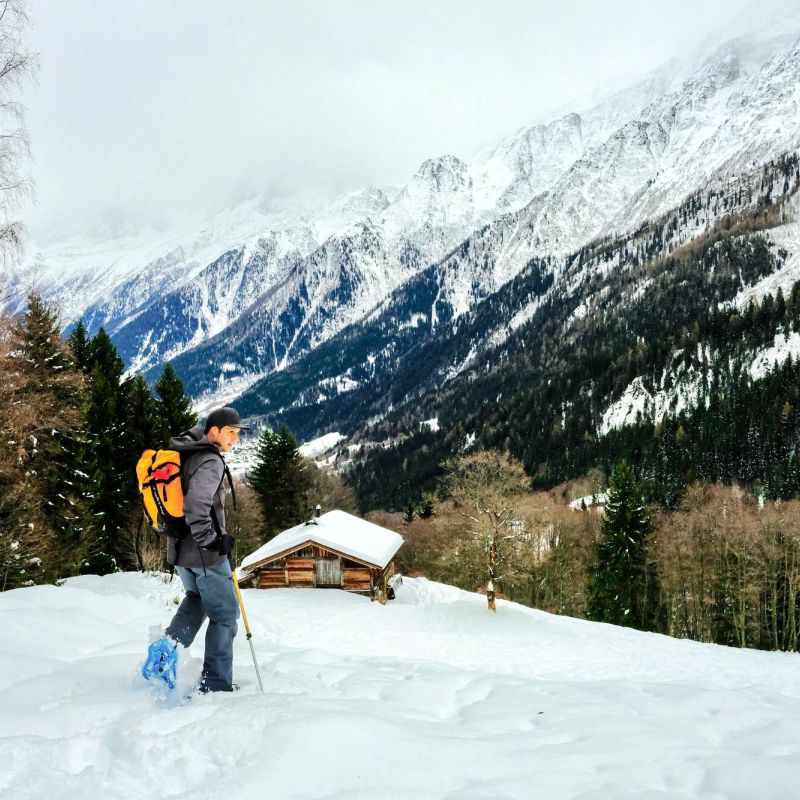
332, 551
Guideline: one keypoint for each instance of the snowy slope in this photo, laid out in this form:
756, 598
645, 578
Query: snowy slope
259, 285
734, 111
702, 125
159, 294
428, 697
130, 284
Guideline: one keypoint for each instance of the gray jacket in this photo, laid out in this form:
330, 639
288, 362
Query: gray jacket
203, 488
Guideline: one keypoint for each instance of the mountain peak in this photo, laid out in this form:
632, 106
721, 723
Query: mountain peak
445, 173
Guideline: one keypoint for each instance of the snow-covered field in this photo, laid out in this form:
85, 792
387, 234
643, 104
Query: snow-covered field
430, 696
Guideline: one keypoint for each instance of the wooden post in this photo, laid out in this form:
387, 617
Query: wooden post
490, 598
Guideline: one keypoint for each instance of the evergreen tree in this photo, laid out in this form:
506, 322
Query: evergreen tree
144, 431
620, 589
78, 343
426, 507
48, 491
281, 481
174, 407
112, 468
142, 420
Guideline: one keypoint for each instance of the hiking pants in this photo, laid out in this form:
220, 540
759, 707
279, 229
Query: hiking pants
209, 593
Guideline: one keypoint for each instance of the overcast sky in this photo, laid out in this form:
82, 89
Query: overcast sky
150, 112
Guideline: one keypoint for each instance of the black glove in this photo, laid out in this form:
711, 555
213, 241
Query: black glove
222, 545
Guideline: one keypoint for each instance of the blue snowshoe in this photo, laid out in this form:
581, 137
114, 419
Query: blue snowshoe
161, 663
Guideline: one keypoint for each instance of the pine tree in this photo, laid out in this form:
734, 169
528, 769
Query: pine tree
620, 589
78, 344
142, 420
144, 431
174, 407
112, 467
426, 507
281, 481
49, 487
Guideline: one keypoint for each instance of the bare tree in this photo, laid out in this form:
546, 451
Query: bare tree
17, 66
486, 488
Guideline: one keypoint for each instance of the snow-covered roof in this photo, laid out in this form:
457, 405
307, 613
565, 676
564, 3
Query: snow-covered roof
335, 530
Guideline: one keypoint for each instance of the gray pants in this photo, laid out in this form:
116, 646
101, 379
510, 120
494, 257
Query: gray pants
209, 593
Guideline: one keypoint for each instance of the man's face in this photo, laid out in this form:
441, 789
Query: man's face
226, 437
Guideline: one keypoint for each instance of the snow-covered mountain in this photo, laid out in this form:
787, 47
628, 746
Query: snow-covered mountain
257, 287
708, 125
127, 284
726, 117
582, 182
430, 696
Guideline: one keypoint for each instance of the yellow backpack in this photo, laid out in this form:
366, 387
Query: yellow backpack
161, 486
159, 474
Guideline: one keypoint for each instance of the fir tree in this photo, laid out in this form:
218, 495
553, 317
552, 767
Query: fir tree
142, 420
50, 486
620, 589
281, 481
144, 431
174, 407
78, 344
426, 507
112, 468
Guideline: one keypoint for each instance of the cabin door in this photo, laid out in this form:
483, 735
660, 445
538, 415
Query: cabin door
328, 572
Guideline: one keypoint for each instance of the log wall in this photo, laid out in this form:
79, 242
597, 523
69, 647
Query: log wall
357, 579
297, 570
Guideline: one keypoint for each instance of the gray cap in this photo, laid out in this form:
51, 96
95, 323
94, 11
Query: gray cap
223, 417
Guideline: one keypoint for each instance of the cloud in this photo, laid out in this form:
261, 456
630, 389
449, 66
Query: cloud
148, 113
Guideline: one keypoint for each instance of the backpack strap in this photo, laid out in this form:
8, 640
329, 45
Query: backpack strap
226, 474
230, 481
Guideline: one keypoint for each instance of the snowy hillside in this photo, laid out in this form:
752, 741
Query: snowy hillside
257, 286
131, 283
430, 697
714, 119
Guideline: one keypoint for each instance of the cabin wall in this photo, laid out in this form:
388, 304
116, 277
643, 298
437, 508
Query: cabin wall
313, 566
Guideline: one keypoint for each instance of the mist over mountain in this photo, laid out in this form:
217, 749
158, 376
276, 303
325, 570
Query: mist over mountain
315, 312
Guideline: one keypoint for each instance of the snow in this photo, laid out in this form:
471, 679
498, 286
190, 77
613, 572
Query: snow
316, 447
782, 347
546, 189
786, 238
338, 531
431, 424
227, 391
430, 696
588, 501
635, 401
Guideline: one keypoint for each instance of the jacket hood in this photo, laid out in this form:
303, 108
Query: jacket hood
192, 440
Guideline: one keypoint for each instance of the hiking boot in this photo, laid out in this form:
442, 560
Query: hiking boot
205, 689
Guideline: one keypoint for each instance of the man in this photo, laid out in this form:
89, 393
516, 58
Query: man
201, 557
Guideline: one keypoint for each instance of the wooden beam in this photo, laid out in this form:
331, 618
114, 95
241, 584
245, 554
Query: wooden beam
286, 553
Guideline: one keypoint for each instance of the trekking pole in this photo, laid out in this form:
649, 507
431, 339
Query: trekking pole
246, 627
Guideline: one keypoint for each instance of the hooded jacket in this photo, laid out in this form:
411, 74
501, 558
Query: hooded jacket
203, 489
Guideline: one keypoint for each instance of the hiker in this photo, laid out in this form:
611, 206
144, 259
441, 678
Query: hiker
201, 557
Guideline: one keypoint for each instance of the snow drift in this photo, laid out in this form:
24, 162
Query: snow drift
430, 696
